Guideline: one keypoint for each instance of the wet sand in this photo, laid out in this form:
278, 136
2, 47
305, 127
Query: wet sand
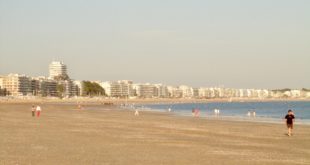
107, 135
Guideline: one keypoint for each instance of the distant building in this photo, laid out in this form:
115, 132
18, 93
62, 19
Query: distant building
305, 93
107, 87
41, 86
242, 93
175, 92
35, 87
57, 68
72, 89
195, 92
79, 87
17, 85
162, 91
295, 93
48, 88
122, 88
2, 90
1, 81
187, 92
58, 72
146, 90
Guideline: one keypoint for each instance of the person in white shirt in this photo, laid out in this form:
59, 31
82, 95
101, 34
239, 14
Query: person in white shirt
38, 110
136, 112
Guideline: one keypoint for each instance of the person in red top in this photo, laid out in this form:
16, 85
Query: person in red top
38, 109
290, 119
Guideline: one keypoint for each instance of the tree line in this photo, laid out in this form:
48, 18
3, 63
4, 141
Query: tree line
92, 89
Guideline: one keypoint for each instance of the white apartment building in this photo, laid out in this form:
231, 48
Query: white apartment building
79, 87
187, 92
162, 91
195, 92
295, 93
175, 92
146, 90
307, 94
17, 85
107, 87
122, 88
202, 92
57, 68
2, 91
242, 93
262, 93
1, 81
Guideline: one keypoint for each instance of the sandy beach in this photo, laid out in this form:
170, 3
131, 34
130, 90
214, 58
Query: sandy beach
107, 135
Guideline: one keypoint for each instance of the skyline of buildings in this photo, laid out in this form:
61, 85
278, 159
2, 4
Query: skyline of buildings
59, 84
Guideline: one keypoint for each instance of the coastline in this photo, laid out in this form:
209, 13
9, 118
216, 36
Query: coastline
137, 101
266, 120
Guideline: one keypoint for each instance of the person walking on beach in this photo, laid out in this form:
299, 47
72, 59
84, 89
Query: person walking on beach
249, 113
197, 112
33, 110
290, 119
136, 112
216, 112
38, 110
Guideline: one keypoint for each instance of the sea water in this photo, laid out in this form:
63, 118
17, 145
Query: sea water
265, 111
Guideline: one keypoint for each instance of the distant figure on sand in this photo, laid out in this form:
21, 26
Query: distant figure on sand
169, 110
290, 119
197, 112
38, 110
79, 106
249, 113
193, 112
136, 113
33, 110
216, 112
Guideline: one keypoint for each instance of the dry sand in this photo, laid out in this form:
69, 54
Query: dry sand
105, 135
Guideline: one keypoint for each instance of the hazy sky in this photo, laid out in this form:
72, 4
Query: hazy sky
235, 43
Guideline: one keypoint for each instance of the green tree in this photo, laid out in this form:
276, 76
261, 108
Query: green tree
60, 90
92, 89
282, 90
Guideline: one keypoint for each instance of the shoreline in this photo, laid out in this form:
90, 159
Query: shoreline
142, 101
245, 119
145, 102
